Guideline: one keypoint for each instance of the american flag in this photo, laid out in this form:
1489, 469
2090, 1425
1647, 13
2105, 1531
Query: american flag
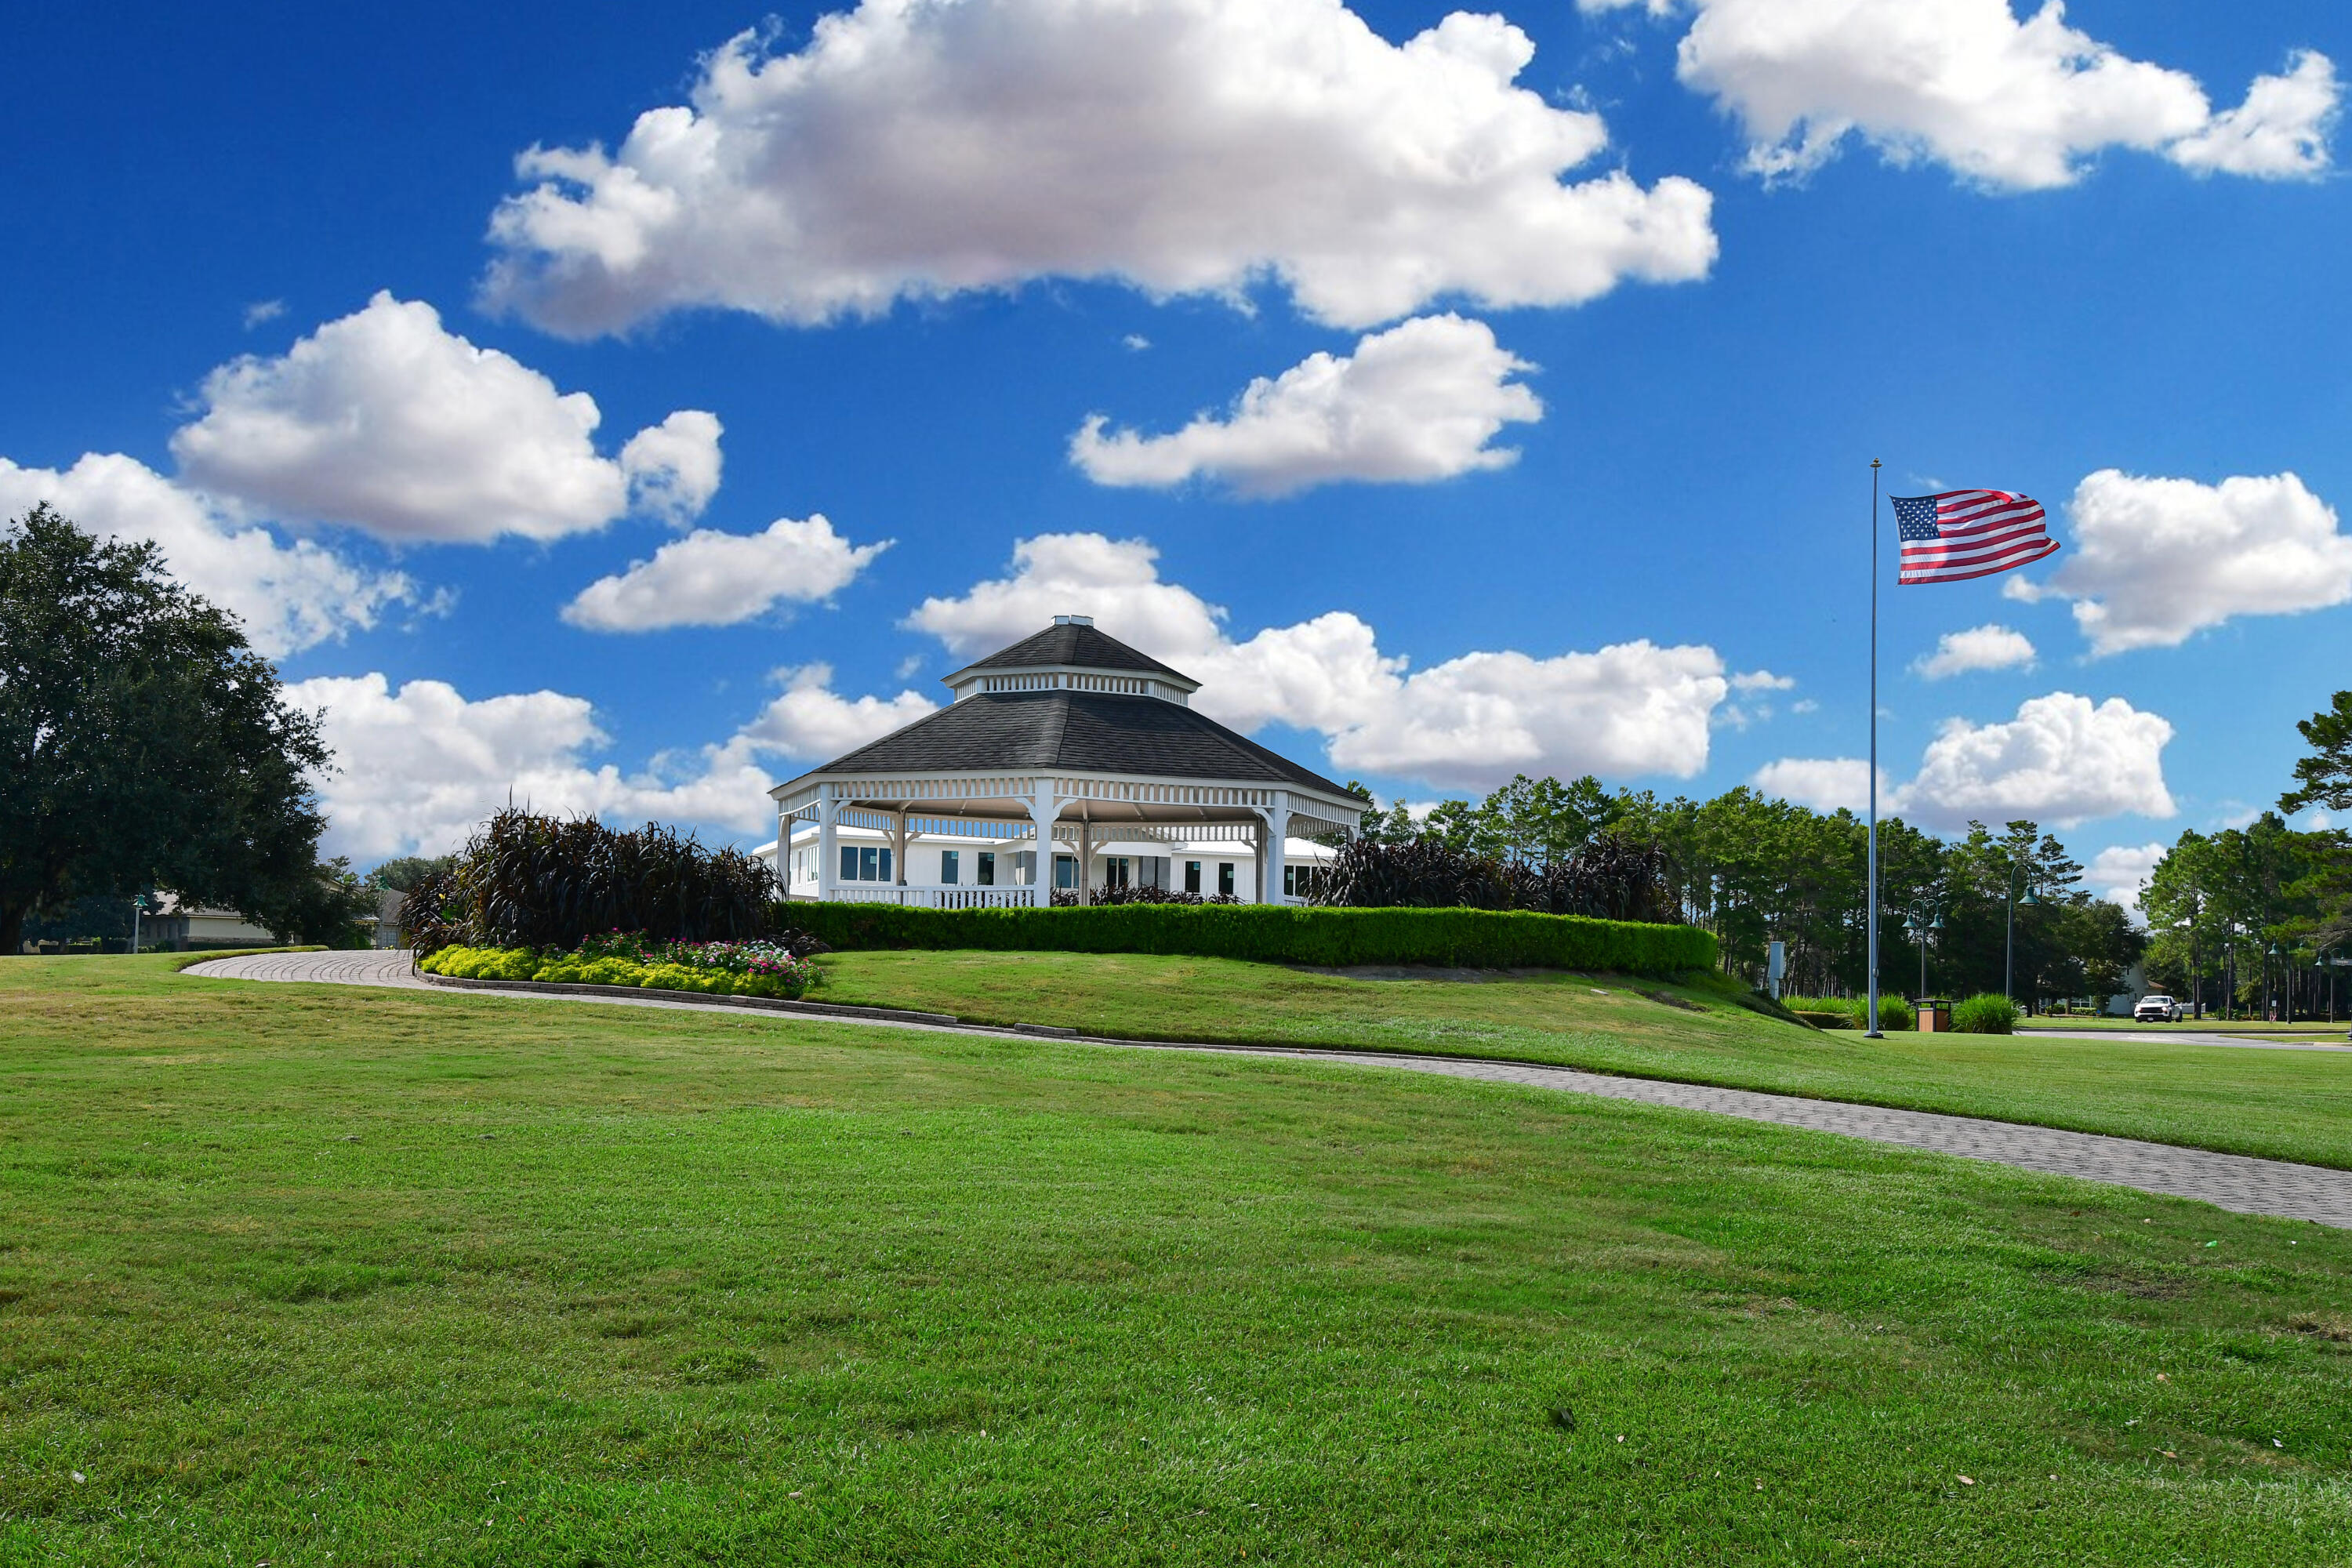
1968, 533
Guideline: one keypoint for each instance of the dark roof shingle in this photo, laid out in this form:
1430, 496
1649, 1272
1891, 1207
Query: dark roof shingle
1080, 731
1070, 644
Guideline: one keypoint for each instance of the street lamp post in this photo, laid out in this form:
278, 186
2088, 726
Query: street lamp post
2196, 985
1925, 917
138, 904
2009, 956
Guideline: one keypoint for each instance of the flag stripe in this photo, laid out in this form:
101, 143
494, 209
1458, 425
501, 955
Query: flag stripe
1928, 557
2004, 517
2051, 548
1963, 534
2017, 554
1973, 546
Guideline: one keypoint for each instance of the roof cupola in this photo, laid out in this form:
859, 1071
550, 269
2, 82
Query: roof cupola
1072, 655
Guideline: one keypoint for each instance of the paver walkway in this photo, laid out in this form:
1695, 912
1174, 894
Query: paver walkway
2236, 1182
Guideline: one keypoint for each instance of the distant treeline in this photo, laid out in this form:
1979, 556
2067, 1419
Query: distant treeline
1754, 869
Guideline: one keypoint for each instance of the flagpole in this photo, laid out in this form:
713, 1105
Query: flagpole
1870, 1020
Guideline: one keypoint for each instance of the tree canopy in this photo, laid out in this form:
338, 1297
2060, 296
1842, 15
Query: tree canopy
145, 744
2325, 777
1754, 870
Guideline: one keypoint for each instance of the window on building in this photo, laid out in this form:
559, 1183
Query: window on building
1192, 876
1225, 878
1116, 873
950, 861
865, 863
987, 859
1066, 871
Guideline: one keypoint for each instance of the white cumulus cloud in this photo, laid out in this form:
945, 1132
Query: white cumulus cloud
809, 722
2062, 761
384, 420
2119, 872
922, 148
1416, 403
417, 770
1471, 722
1979, 648
2156, 560
673, 467
290, 594
2004, 102
1824, 784
714, 579
2281, 130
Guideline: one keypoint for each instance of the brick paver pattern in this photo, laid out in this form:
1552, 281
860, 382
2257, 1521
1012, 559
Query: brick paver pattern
2236, 1182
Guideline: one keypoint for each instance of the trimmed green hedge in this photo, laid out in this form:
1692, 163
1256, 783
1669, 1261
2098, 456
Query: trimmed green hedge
1273, 933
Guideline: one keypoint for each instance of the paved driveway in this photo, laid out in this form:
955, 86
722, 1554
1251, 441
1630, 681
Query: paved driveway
2187, 1037
2235, 1182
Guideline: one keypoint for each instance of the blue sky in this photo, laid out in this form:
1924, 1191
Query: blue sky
2067, 257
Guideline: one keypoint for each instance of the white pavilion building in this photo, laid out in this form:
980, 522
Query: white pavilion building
1072, 738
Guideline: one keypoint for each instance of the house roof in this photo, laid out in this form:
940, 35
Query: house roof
1073, 644
1077, 731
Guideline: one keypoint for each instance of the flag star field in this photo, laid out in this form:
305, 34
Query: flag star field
625, 408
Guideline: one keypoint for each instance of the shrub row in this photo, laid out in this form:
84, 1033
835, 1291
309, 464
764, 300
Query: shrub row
529, 881
1271, 933
575, 969
1985, 1015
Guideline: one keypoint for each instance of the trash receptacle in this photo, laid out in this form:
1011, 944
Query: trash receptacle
1935, 1016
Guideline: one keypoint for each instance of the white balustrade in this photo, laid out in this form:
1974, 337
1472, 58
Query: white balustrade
935, 895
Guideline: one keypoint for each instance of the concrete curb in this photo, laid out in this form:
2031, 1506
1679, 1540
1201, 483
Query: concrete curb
752, 1003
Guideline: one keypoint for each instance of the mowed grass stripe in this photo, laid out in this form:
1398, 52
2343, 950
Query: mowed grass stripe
590, 1287
2277, 1105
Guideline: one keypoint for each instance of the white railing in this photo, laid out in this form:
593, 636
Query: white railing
934, 896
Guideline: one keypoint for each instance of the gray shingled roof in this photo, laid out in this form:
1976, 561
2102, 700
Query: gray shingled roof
1069, 643
1077, 732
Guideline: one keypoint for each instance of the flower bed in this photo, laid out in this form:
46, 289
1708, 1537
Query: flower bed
708, 968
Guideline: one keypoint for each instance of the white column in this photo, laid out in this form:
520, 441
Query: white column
898, 853
1044, 807
1257, 860
1085, 860
828, 840
1276, 830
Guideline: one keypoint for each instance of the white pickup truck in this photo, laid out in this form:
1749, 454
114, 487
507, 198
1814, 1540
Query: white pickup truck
2156, 1008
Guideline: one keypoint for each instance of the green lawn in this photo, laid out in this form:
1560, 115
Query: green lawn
2287, 1105
291, 1271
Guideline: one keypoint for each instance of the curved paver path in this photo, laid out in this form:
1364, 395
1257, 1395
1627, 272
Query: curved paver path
2236, 1182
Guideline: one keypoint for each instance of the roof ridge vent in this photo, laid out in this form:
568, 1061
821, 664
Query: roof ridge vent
1074, 620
